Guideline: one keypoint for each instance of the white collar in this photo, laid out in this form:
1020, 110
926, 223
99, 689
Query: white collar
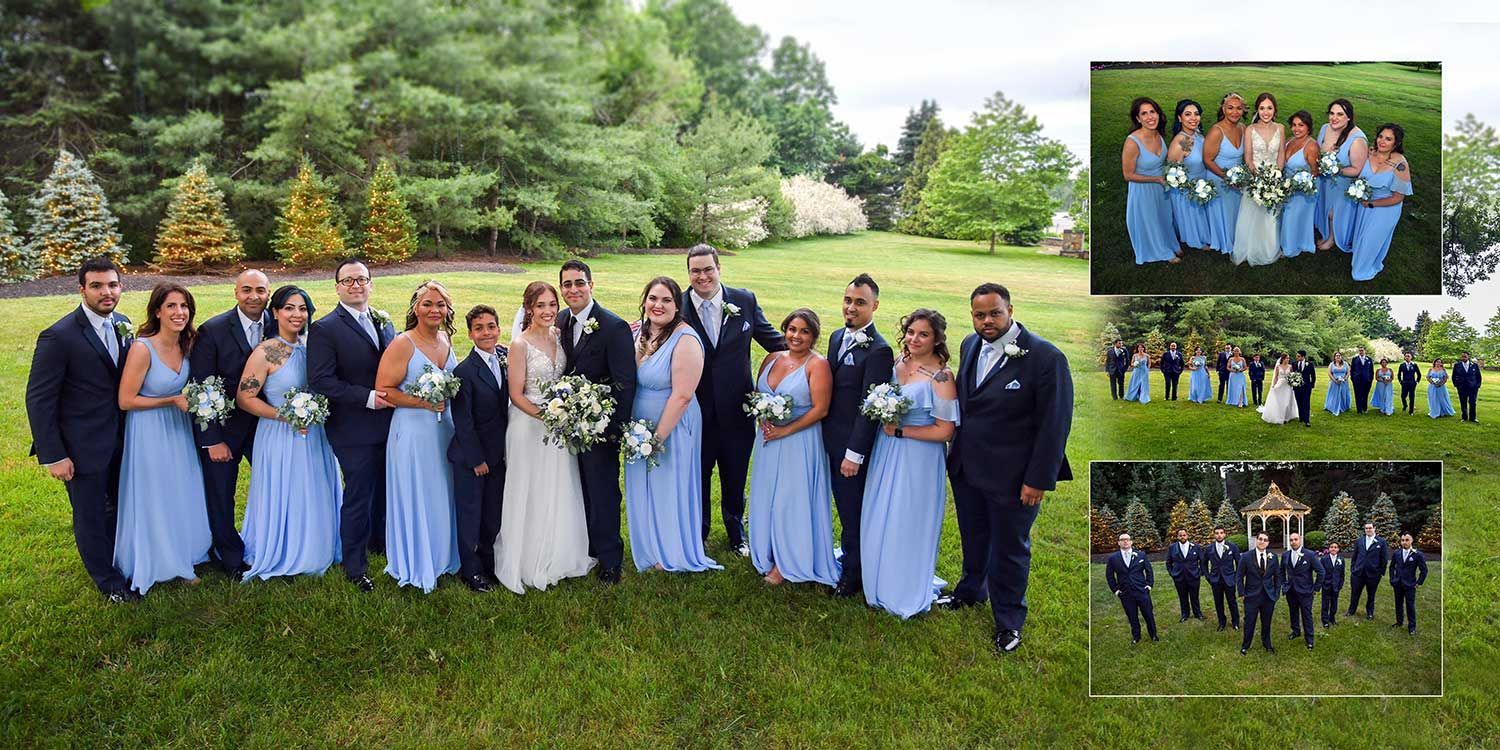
1009, 337
1126, 554
95, 318
245, 322
585, 312
488, 357
354, 312
1405, 553
717, 299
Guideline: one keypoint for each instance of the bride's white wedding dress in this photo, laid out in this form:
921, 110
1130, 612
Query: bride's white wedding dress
543, 535
1256, 240
1281, 403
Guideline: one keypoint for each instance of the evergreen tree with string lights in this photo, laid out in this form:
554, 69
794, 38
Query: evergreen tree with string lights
390, 232
16, 261
196, 233
71, 221
309, 231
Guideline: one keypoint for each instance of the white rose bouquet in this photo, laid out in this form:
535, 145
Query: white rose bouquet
640, 443
1269, 188
885, 403
1202, 191
207, 401
303, 409
1176, 176
775, 408
1303, 182
1359, 190
576, 412
1328, 163
435, 386
1294, 379
1237, 177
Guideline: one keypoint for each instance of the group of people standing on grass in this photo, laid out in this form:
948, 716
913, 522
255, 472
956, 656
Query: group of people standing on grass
469, 485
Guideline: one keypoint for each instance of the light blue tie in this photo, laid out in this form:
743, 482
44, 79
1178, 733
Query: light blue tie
495, 367
986, 353
369, 326
109, 341
255, 334
710, 321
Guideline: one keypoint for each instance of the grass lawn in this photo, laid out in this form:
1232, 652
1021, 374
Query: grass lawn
1380, 92
1354, 657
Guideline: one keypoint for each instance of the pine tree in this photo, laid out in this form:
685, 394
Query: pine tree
1105, 341
17, 262
1142, 530
1431, 538
1212, 486
1177, 520
1193, 343
1104, 529
390, 232
196, 232
1341, 522
1156, 345
1227, 517
1419, 332
1383, 515
1200, 526
71, 221
308, 231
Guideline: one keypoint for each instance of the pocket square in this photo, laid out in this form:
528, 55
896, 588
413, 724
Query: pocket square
1014, 385
746, 326
849, 358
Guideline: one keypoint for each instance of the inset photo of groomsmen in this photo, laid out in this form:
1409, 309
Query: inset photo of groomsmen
1222, 578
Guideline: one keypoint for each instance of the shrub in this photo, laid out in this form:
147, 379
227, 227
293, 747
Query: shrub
1240, 541
17, 262
821, 208
1315, 540
390, 232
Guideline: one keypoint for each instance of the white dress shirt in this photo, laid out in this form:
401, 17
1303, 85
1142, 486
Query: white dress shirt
580, 319
492, 361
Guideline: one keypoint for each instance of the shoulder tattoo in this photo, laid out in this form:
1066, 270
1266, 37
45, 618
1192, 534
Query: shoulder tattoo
276, 352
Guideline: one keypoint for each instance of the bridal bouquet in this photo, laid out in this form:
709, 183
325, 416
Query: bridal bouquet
435, 386
1294, 379
775, 408
1303, 182
1175, 175
303, 409
1237, 177
885, 403
576, 412
1268, 188
640, 443
1328, 163
1202, 191
207, 402
1359, 190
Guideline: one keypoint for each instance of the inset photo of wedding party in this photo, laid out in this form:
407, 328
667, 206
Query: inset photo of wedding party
1260, 178
1266, 578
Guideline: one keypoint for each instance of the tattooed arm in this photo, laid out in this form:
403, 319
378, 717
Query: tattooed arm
266, 359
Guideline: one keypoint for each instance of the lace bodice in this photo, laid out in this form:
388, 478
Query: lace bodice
541, 369
1262, 151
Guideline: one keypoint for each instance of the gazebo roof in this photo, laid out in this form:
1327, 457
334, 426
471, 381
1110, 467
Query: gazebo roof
1274, 501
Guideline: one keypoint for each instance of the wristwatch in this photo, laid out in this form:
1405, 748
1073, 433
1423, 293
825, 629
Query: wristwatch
899, 432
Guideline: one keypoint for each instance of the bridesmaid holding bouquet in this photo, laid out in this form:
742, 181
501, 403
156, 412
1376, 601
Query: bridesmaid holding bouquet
1389, 176
1223, 149
1381, 400
1335, 217
1438, 404
1200, 386
1139, 388
1339, 397
1238, 379
1190, 218
1148, 213
1301, 153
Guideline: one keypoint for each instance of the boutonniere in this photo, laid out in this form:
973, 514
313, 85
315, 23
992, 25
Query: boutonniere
731, 310
590, 325
862, 340
381, 317
1015, 352
124, 330
501, 359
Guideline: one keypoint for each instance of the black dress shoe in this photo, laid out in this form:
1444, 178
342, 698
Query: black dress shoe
1242, 652
609, 576
1236, 626
1309, 647
1370, 616
1183, 619
1221, 627
1272, 649
1294, 636
954, 603
1135, 641
122, 596
742, 549
847, 588
1200, 617
478, 584
1007, 641
363, 583
1154, 639
1412, 632
1396, 624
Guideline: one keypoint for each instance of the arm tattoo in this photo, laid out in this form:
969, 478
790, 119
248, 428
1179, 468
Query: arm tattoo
276, 352
250, 384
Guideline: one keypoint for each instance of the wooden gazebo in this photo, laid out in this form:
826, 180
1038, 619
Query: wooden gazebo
1275, 504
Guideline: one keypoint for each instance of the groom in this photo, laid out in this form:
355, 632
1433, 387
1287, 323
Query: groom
1303, 393
1015, 395
599, 347
1362, 376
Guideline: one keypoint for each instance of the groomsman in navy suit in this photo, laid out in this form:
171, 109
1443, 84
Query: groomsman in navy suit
1408, 571
1129, 576
220, 349
1257, 371
1333, 583
343, 353
1116, 364
477, 451
1221, 565
1466, 380
859, 357
1303, 393
1185, 566
1171, 370
1015, 402
1304, 576
77, 428
1260, 585
727, 319
1366, 569
1362, 375
1408, 374
1221, 364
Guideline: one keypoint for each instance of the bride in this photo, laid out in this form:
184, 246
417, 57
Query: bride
543, 535
1255, 237
1281, 404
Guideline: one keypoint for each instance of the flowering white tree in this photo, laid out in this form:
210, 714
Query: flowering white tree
735, 224
1385, 348
821, 208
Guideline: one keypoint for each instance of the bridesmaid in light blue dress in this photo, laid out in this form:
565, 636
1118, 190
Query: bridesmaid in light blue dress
906, 491
1200, 386
161, 531
292, 510
1223, 149
1438, 404
1389, 176
791, 523
1191, 219
1234, 395
1335, 217
421, 528
1148, 213
664, 505
1139, 388
1339, 397
1381, 399
1296, 230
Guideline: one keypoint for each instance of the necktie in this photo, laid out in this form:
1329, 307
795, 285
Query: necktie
710, 321
575, 329
494, 367
369, 326
986, 355
1262, 564
255, 334
848, 343
1127, 559
110, 343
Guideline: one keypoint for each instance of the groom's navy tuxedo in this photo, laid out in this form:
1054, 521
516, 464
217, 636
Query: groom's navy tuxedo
1260, 587
1223, 575
1221, 364
1116, 364
480, 416
1362, 376
1303, 393
1129, 583
1171, 371
1365, 571
1013, 430
220, 349
341, 364
1466, 380
728, 432
845, 430
1257, 369
605, 356
1408, 375
73, 406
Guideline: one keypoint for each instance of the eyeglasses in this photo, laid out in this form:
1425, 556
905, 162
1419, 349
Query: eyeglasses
354, 281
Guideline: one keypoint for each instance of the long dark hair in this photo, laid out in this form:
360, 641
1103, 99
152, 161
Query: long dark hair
1304, 116
1161, 119
1182, 105
1397, 131
423, 288
152, 326
939, 326
530, 296
651, 341
1349, 128
279, 298
1265, 96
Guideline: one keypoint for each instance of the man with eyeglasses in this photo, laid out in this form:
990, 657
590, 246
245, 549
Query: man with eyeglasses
343, 354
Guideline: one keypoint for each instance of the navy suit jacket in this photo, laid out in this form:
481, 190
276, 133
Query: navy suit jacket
1223, 571
1116, 360
1253, 585
1333, 572
1221, 363
1408, 373
726, 375
1309, 374
844, 428
73, 395
480, 414
1257, 371
1411, 573
1466, 376
1010, 435
1306, 576
1131, 581
1184, 569
605, 356
341, 364
220, 348
1172, 362
1369, 564
1361, 370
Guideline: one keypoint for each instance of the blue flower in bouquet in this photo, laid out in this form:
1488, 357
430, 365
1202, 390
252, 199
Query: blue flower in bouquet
1303, 182
303, 409
885, 403
639, 443
1359, 190
435, 386
775, 408
207, 401
1328, 163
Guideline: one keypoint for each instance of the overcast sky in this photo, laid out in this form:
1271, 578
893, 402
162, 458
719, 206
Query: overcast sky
884, 57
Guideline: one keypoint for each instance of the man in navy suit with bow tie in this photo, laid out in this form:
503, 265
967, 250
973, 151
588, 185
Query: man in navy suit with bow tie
1303, 577
1366, 569
1261, 581
1171, 370
1333, 583
1015, 403
1361, 375
1257, 369
77, 428
1408, 571
1129, 576
1303, 393
1116, 364
1466, 380
1185, 566
1221, 566
477, 451
1408, 374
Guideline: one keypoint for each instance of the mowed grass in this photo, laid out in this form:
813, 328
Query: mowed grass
1380, 92
710, 660
1353, 657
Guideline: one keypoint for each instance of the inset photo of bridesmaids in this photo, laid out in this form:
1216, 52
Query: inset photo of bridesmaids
1266, 578
1266, 178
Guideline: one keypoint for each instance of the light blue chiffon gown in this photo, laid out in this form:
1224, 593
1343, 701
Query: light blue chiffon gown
292, 510
421, 529
905, 495
1139, 387
1148, 213
1381, 397
1224, 209
161, 531
1438, 404
1331, 197
1376, 225
1200, 387
663, 506
1191, 219
791, 523
1339, 396
1234, 394
1296, 229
